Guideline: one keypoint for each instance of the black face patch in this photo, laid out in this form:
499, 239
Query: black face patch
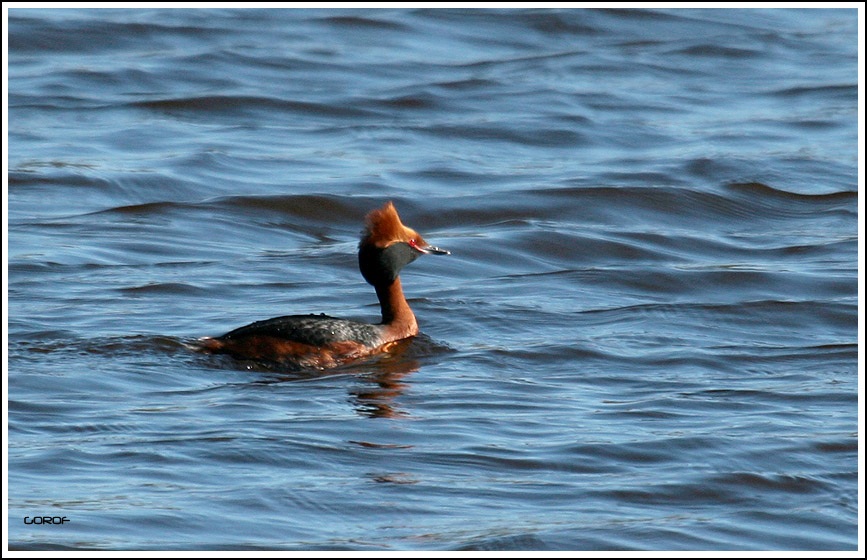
380, 267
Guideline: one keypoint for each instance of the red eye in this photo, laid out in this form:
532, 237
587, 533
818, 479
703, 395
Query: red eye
413, 243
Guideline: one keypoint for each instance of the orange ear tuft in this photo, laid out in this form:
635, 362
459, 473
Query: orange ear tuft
383, 227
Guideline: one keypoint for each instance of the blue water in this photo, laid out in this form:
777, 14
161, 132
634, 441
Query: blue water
645, 337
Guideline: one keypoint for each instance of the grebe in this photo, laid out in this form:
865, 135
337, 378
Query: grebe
320, 341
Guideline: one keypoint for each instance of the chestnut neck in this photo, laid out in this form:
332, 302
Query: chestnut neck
397, 317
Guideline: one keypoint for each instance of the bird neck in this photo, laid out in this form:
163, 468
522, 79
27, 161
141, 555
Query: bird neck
397, 317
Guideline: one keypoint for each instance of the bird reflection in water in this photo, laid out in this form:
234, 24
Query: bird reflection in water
379, 380
376, 397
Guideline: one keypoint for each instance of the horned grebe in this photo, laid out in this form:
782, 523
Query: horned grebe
320, 341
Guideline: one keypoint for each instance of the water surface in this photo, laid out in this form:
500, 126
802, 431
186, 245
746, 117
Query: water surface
645, 337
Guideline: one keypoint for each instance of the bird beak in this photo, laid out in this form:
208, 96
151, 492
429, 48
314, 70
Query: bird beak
431, 250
